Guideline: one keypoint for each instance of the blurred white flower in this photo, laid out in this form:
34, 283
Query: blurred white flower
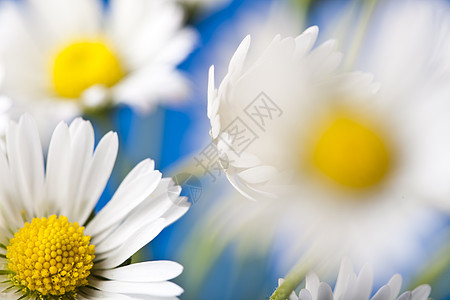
277, 92
343, 158
80, 255
350, 286
60, 58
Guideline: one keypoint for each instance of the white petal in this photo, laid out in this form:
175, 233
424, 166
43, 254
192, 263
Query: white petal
363, 287
312, 284
134, 189
93, 294
26, 162
405, 296
237, 61
383, 294
144, 87
10, 208
131, 245
395, 284
324, 292
212, 93
81, 149
151, 30
97, 175
72, 18
176, 211
57, 171
145, 272
304, 295
344, 275
244, 160
258, 174
161, 289
421, 292
305, 41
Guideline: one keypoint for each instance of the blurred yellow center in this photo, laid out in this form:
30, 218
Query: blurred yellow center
50, 257
351, 153
82, 65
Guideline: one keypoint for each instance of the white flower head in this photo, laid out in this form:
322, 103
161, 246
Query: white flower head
52, 246
340, 158
286, 100
350, 286
59, 57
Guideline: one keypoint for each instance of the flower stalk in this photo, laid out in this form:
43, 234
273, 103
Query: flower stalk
295, 276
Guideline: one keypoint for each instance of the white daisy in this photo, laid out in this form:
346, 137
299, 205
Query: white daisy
59, 57
285, 98
331, 134
343, 157
350, 286
52, 246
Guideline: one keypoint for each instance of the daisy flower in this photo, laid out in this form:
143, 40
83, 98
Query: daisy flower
352, 286
60, 58
271, 95
285, 117
334, 157
52, 244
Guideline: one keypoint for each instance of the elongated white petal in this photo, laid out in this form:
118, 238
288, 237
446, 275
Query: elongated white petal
161, 289
130, 246
421, 292
145, 272
135, 188
324, 292
97, 175
383, 293
81, 149
258, 174
57, 172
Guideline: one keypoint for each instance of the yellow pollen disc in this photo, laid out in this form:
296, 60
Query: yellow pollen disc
82, 65
351, 153
50, 256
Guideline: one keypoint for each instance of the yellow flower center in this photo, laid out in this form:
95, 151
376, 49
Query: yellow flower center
351, 152
82, 65
50, 256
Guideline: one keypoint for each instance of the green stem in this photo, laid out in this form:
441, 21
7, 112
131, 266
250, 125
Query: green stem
433, 271
203, 249
292, 280
303, 6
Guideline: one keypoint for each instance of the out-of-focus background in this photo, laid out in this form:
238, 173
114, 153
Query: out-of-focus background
225, 257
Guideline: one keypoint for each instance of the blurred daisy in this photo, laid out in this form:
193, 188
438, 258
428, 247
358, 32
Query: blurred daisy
339, 155
60, 58
293, 108
352, 286
53, 246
